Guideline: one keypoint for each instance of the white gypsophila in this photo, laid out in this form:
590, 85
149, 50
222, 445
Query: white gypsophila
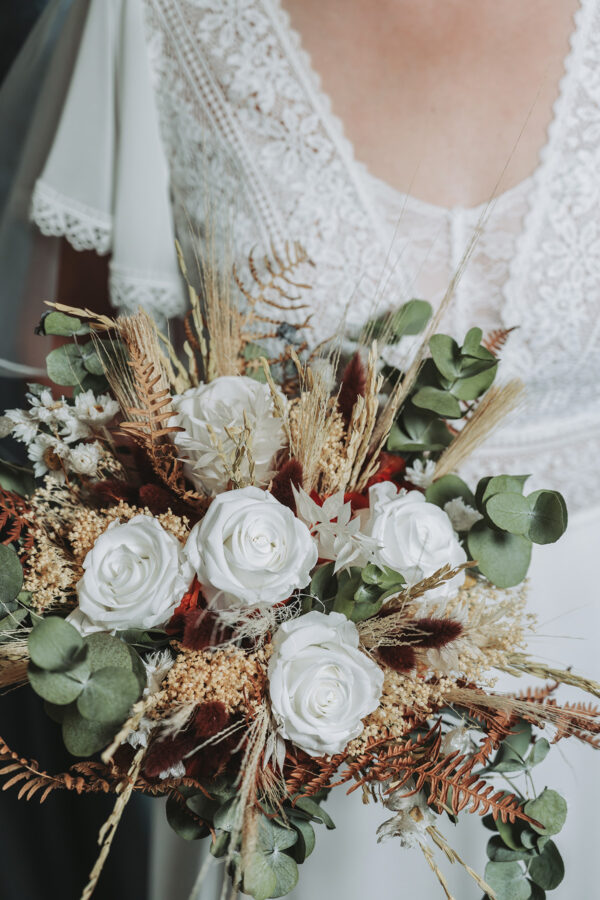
45, 451
413, 816
249, 548
84, 459
415, 538
134, 577
321, 685
462, 516
208, 412
338, 535
420, 473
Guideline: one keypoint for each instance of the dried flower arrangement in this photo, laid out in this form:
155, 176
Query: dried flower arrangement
243, 580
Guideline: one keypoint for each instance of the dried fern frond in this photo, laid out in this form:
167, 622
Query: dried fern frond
15, 522
496, 339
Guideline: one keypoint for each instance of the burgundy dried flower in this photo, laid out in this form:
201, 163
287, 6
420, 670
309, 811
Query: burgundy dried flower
162, 754
354, 384
210, 718
436, 633
401, 658
281, 488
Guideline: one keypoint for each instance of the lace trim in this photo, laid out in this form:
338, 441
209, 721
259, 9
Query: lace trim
159, 294
57, 215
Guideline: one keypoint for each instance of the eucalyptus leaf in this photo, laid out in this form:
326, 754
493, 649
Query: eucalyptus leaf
224, 817
11, 574
323, 586
315, 810
55, 712
472, 342
108, 695
446, 355
410, 318
18, 479
499, 484
469, 387
60, 688
305, 844
507, 880
502, 557
547, 869
58, 323
550, 810
497, 851
438, 401
509, 511
55, 645
105, 650
418, 430
539, 752
548, 518
91, 359
260, 880
183, 821
83, 737
65, 365
13, 619
447, 488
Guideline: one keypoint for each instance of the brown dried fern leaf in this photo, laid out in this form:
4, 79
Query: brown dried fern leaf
14, 521
82, 778
496, 339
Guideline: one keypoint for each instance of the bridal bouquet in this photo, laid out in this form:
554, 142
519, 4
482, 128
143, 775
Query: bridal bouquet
243, 578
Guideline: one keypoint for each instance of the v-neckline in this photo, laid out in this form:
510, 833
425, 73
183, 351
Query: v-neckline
324, 105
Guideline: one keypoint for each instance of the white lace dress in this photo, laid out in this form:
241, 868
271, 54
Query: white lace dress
243, 120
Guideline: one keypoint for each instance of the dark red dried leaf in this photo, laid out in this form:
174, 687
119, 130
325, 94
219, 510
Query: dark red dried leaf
353, 385
210, 718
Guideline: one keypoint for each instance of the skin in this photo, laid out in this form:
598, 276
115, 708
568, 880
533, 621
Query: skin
439, 97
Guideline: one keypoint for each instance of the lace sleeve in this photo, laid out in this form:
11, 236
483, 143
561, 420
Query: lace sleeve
105, 183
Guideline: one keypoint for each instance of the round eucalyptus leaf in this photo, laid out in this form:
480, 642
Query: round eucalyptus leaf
438, 401
539, 752
497, 851
138, 668
225, 815
509, 511
507, 880
55, 645
183, 821
549, 809
91, 360
11, 574
108, 695
500, 484
537, 893
273, 838
315, 811
55, 712
548, 520
447, 488
411, 318
83, 737
65, 365
472, 343
502, 557
472, 386
510, 832
260, 880
60, 688
547, 869
105, 650
60, 324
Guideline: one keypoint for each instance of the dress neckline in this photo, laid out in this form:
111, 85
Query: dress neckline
367, 177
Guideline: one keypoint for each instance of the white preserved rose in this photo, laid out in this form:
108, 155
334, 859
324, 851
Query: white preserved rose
134, 577
250, 548
415, 538
209, 411
321, 685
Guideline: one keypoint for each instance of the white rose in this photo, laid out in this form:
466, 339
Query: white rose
222, 404
415, 538
322, 686
134, 577
249, 548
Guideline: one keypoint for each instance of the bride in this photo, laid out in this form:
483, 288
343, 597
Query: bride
385, 137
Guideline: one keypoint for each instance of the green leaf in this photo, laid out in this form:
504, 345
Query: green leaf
11, 574
183, 821
536, 892
254, 351
13, 619
550, 809
203, 806
105, 650
260, 880
108, 695
410, 318
324, 584
65, 365
548, 517
224, 817
220, 844
305, 844
417, 431
503, 558
138, 669
507, 881
509, 511
539, 752
18, 479
547, 869
470, 387
500, 484
60, 688
497, 851
60, 324
83, 737
446, 355
383, 576
438, 401
447, 488
511, 833
315, 811
55, 645
91, 359
271, 872
55, 712
472, 342
511, 753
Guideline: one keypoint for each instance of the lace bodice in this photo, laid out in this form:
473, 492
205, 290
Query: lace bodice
245, 122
